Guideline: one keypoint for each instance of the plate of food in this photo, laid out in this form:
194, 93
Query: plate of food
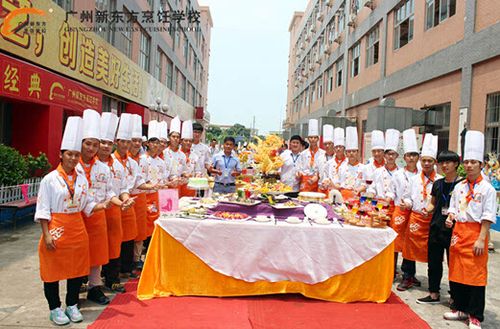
231, 216
293, 220
287, 205
312, 196
241, 202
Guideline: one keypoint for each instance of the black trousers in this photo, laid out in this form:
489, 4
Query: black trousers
127, 256
111, 271
409, 268
469, 299
435, 254
146, 243
51, 291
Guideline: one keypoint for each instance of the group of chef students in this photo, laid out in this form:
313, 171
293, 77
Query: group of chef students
97, 209
432, 214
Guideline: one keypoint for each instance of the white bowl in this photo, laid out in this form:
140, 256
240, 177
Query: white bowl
262, 218
293, 220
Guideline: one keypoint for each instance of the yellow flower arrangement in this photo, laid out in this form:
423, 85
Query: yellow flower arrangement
266, 153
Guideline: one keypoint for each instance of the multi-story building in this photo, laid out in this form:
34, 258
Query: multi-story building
145, 57
432, 65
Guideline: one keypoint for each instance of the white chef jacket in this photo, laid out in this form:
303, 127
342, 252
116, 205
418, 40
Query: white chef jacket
369, 171
349, 177
382, 184
54, 197
176, 160
332, 169
483, 205
288, 172
414, 195
195, 163
156, 170
101, 186
304, 162
140, 170
203, 152
119, 177
401, 183
323, 162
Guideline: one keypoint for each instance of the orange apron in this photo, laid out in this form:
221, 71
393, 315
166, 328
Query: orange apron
153, 208
347, 194
141, 213
129, 225
70, 259
114, 224
399, 222
417, 237
305, 186
390, 211
465, 267
185, 191
98, 238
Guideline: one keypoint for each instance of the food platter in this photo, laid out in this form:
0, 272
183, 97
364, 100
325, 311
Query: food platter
231, 216
311, 196
287, 205
248, 202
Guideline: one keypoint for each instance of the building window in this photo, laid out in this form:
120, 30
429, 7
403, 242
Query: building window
338, 78
127, 36
341, 19
493, 123
170, 74
403, 23
438, 123
372, 47
182, 86
106, 28
186, 50
313, 92
307, 97
151, 4
320, 87
144, 51
438, 10
159, 64
193, 95
67, 5
329, 75
355, 52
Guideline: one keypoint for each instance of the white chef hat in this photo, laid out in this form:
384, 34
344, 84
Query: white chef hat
91, 124
410, 141
327, 133
144, 139
187, 130
338, 137
474, 146
73, 135
125, 127
175, 125
137, 126
430, 146
378, 142
313, 128
153, 129
351, 136
163, 130
109, 122
392, 140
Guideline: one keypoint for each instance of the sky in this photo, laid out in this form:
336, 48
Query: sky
248, 65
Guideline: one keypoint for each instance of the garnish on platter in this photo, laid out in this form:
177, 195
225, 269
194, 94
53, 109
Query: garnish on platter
226, 215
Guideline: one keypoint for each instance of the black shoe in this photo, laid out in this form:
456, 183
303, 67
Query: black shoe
405, 285
83, 288
428, 300
116, 287
96, 295
416, 282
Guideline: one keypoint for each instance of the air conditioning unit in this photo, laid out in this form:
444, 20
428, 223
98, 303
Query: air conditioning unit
313, 28
329, 3
321, 15
302, 45
308, 37
319, 59
327, 50
369, 4
338, 38
352, 20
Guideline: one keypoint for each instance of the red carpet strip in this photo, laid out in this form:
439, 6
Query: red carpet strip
274, 311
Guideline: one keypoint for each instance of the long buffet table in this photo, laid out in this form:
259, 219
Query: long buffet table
212, 257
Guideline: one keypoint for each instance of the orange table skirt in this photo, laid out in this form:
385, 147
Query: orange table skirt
171, 269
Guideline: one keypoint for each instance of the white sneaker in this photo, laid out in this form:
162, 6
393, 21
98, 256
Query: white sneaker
74, 314
455, 316
474, 323
58, 317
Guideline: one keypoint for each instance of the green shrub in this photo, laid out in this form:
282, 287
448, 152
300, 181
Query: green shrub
461, 171
13, 166
37, 166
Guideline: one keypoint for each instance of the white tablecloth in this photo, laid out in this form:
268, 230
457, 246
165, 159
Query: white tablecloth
252, 251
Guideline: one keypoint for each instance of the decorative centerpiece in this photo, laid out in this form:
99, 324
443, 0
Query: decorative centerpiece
266, 156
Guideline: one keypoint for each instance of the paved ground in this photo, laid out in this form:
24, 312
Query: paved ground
22, 304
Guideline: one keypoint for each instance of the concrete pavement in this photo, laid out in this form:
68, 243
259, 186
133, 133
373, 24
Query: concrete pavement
22, 304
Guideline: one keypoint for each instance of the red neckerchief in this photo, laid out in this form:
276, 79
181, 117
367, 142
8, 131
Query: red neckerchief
355, 164
413, 172
339, 162
378, 164
70, 183
426, 182
161, 156
135, 157
88, 169
311, 162
123, 161
470, 194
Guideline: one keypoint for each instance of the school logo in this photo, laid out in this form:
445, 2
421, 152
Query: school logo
399, 220
414, 227
57, 232
454, 240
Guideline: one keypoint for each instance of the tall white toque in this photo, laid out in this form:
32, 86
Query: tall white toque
137, 128
474, 146
125, 127
392, 140
153, 129
91, 124
313, 128
163, 130
175, 125
327, 133
339, 137
378, 142
430, 146
109, 123
410, 141
351, 136
187, 130
73, 135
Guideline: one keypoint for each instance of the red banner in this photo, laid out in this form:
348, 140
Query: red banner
30, 83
